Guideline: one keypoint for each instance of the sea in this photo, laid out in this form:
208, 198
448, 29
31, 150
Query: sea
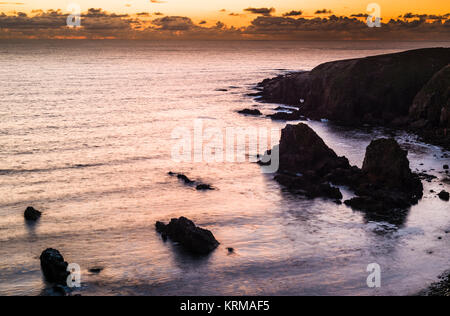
87, 136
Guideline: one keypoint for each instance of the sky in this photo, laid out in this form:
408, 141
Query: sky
258, 19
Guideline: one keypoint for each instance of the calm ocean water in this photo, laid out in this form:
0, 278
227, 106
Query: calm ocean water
85, 137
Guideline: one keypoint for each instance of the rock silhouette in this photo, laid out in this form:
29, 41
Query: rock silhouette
250, 112
194, 239
444, 195
32, 214
199, 186
302, 151
54, 267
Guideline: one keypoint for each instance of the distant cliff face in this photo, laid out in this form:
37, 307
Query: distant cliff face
431, 106
377, 90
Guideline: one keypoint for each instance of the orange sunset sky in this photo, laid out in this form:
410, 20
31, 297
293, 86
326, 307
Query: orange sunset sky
239, 18
211, 9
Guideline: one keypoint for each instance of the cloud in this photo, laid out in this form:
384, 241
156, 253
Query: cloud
360, 15
52, 24
323, 11
143, 14
262, 11
293, 13
174, 23
97, 23
426, 16
344, 28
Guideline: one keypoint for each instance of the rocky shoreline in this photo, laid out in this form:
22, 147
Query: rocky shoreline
440, 288
408, 90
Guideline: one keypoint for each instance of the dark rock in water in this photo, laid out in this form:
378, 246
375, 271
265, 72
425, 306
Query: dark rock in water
222, 90
384, 208
386, 165
230, 250
181, 176
204, 187
54, 267
445, 167
379, 201
191, 237
60, 290
250, 112
96, 270
185, 179
285, 116
284, 108
444, 195
31, 214
302, 150
256, 94
426, 177
386, 182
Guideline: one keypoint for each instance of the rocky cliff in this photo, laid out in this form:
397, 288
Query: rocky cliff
390, 90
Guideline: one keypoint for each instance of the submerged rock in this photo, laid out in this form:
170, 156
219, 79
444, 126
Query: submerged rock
191, 237
54, 267
199, 186
250, 112
287, 116
96, 270
444, 195
426, 177
185, 179
32, 214
204, 187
